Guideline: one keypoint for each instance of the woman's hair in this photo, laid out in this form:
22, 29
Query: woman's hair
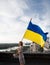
21, 43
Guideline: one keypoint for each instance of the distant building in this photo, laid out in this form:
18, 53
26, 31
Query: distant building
47, 43
33, 47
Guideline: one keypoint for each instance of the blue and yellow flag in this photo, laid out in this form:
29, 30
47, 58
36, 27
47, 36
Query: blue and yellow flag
35, 34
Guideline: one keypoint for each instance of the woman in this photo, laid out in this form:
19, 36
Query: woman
20, 53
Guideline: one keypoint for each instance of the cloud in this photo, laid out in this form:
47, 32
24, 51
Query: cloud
11, 28
15, 16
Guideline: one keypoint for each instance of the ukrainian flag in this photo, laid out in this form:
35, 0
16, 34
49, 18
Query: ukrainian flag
35, 34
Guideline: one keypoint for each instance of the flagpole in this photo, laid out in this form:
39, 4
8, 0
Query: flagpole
31, 19
24, 33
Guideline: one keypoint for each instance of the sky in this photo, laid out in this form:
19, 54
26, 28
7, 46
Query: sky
15, 16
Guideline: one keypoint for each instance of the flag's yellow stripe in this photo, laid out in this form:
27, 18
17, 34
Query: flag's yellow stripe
35, 37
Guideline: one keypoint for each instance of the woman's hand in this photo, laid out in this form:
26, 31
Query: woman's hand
14, 55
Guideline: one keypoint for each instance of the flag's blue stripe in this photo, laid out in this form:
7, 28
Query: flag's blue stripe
37, 29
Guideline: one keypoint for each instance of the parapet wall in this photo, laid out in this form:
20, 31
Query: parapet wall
30, 58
